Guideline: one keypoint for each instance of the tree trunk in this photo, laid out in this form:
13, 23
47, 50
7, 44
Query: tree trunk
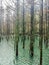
46, 28
41, 32
32, 31
23, 27
17, 29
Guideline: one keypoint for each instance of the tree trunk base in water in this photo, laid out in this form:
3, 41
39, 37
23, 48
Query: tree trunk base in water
17, 49
23, 44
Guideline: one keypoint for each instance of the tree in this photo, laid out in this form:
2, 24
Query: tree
32, 30
46, 30
8, 22
23, 26
17, 29
41, 30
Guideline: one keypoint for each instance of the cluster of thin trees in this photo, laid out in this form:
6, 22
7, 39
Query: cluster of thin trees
6, 21
43, 25
42, 30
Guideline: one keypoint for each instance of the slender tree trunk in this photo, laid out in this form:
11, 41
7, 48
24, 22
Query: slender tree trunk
23, 26
16, 48
8, 22
17, 29
46, 38
47, 24
41, 32
45, 28
32, 31
41, 50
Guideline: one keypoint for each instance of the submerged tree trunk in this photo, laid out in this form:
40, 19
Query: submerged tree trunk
23, 27
17, 29
41, 31
16, 46
41, 41
32, 31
